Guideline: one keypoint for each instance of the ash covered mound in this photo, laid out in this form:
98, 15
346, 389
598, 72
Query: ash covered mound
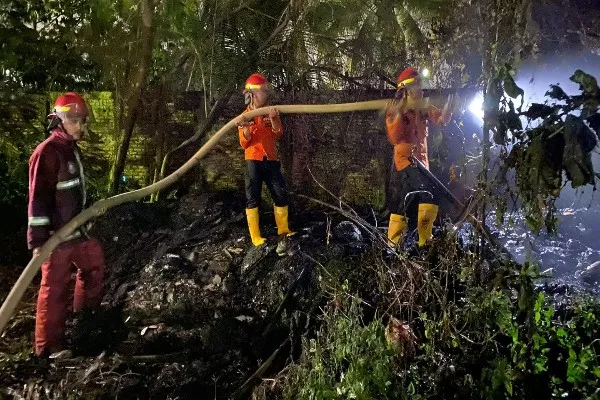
189, 304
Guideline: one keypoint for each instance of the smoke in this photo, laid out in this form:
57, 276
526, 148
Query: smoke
576, 245
535, 77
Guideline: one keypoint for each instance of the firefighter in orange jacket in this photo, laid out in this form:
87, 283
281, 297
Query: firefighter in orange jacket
258, 138
406, 126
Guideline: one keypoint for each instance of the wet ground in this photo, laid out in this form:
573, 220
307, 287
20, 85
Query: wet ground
570, 255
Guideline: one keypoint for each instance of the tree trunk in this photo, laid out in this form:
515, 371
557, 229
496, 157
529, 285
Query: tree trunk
147, 39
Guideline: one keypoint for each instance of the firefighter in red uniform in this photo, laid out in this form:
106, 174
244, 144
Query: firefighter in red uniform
258, 138
56, 195
406, 127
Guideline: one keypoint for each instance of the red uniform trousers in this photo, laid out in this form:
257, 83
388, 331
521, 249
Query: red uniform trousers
53, 297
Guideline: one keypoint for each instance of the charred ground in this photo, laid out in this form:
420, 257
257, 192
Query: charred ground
193, 311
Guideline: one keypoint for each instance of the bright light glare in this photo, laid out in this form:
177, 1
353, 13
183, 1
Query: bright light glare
476, 106
425, 72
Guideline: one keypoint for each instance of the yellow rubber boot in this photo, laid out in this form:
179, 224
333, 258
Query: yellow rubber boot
426, 218
396, 228
281, 219
252, 217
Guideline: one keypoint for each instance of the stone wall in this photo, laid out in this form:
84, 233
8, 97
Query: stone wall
346, 153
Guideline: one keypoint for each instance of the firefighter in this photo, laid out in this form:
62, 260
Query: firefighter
258, 137
56, 195
406, 121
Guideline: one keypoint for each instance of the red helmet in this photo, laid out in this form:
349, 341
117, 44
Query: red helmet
70, 105
257, 81
408, 76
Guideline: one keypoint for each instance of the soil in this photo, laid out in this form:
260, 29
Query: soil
190, 305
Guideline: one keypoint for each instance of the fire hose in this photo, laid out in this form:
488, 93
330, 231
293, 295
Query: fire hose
101, 206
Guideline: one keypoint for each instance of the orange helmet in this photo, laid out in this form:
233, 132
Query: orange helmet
408, 76
68, 106
257, 81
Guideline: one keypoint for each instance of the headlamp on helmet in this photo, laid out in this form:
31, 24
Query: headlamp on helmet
256, 82
408, 77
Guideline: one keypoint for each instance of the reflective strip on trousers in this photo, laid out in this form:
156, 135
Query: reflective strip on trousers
38, 221
68, 184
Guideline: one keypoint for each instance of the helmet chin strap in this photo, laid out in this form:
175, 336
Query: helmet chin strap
400, 93
54, 123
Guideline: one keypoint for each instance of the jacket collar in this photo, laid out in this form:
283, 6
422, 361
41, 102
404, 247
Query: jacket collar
60, 134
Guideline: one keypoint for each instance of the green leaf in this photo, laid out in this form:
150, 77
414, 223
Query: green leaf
579, 142
508, 121
508, 386
556, 93
511, 88
586, 82
537, 110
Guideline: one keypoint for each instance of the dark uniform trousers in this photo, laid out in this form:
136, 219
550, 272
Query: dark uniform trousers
409, 188
268, 172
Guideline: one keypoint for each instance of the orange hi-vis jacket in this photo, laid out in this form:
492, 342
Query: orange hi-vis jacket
408, 133
262, 139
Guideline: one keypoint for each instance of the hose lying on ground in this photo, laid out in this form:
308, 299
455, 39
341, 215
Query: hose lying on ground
100, 207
